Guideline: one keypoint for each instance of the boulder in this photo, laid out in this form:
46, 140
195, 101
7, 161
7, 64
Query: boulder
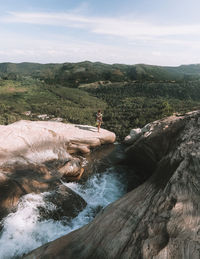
66, 204
160, 219
134, 134
155, 140
41, 141
71, 169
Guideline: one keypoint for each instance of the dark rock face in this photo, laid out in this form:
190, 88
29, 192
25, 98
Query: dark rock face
160, 219
19, 180
66, 203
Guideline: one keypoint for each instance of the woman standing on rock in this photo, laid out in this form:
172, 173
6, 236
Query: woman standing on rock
99, 119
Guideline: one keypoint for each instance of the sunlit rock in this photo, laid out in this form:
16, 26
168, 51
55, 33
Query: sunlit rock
40, 141
133, 135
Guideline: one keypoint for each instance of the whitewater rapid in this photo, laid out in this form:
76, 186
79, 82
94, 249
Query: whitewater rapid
24, 230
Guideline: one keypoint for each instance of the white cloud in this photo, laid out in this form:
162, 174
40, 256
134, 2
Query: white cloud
156, 53
142, 42
44, 51
47, 51
108, 26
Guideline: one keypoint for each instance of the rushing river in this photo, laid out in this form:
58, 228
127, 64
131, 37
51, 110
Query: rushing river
24, 230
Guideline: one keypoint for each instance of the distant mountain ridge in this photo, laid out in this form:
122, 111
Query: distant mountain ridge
74, 74
130, 95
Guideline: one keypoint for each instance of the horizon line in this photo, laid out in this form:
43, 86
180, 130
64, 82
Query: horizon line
111, 64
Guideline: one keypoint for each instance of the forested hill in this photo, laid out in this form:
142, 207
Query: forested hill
129, 96
73, 74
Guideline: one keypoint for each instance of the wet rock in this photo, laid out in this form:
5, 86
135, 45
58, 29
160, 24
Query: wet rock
10, 192
71, 169
63, 203
18, 181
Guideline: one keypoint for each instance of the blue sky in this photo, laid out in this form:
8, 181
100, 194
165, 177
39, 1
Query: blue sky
159, 32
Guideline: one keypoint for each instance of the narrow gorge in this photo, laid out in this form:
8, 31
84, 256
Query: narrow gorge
41, 198
143, 202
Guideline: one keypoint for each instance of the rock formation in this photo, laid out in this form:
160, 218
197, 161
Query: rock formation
35, 155
41, 141
160, 219
66, 203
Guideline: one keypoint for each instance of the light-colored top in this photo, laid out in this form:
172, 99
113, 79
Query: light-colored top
99, 117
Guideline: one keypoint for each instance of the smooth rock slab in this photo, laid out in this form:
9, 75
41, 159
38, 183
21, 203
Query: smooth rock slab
41, 141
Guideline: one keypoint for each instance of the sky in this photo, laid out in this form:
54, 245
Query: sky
157, 32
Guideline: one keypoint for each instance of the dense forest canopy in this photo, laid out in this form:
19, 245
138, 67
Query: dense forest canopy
86, 72
129, 95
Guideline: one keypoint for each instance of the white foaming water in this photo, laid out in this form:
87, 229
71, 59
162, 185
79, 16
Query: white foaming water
24, 231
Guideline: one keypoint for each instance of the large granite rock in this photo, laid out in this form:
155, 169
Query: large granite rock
35, 155
41, 141
160, 219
